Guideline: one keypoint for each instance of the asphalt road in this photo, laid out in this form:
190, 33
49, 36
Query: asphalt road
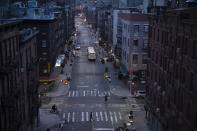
86, 93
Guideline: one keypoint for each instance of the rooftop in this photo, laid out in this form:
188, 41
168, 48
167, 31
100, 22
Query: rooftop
133, 17
7, 21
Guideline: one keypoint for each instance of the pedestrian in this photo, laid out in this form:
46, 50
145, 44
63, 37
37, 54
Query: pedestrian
91, 116
48, 129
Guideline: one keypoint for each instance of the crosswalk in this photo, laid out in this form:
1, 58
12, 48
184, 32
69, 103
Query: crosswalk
99, 116
84, 93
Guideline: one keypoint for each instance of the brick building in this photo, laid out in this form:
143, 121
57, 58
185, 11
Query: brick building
18, 77
172, 70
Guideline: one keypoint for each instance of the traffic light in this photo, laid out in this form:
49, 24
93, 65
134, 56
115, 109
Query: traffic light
65, 82
106, 75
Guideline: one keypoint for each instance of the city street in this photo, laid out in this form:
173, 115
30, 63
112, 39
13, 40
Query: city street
86, 93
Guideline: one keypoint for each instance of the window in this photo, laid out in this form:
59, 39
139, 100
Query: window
194, 50
128, 42
144, 59
136, 28
186, 46
184, 75
135, 42
145, 44
44, 43
135, 59
189, 110
158, 35
44, 53
43, 33
191, 81
145, 28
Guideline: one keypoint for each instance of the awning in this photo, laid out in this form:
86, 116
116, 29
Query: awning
123, 70
47, 79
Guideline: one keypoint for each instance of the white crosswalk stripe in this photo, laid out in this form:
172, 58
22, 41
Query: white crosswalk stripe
113, 117
73, 119
106, 119
97, 118
77, 93
109, 93
120, 116
101, 114
69, 94
87, 116
82, 116
86, 93
68, 117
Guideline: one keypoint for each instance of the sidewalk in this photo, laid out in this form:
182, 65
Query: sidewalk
47, 119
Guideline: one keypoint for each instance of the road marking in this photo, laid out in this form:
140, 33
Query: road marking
97, 118
111, 117
73, 119
115, 117
106, 116
98, 93
91, 92
69, 93
94, 93
82, 116
101, 116
73, 93
64, 116
82, 86
86, 116
104, 129
109, 93
77, 93
68, 117
105, 93
120, 115
84, 93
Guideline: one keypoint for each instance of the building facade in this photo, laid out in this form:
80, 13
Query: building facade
172, 80
18, 78
134, 43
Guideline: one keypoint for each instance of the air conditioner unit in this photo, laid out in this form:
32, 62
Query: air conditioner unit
22, 70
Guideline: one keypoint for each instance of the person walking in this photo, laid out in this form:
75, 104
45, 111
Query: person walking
91, 116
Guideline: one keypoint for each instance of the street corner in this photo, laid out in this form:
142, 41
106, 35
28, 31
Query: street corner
48, 120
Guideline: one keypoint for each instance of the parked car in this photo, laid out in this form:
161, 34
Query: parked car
77, 47
140, 94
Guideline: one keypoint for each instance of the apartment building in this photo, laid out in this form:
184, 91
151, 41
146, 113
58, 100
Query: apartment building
134, 43
172, 81
19, 76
